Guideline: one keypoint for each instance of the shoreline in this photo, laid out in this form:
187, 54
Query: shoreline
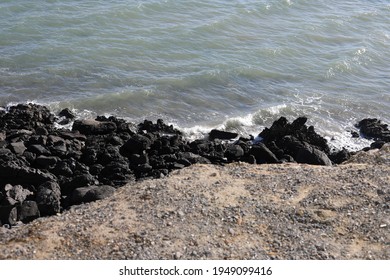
48, 174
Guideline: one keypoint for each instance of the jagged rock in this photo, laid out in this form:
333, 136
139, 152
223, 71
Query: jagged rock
14, 195
262, 154
136, 145
17, 172
159, 127
340, 156
115, 173
234, 152
48, 198
78, 181
67, 113
298, 130
310, 155
375, 129
222, 135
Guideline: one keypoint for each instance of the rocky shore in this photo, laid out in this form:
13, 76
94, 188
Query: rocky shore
45, 170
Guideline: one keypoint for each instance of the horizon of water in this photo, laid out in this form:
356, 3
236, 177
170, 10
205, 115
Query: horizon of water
234, 65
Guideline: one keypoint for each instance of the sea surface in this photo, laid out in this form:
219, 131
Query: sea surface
231, 64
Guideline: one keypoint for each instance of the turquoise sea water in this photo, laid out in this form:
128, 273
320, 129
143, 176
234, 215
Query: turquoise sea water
201, 64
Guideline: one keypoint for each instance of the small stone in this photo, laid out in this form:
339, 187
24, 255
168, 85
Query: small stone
178, 255
231, 231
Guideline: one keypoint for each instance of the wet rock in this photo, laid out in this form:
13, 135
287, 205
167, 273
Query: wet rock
48, 198
159, 127
93, 127
222, 135
374, 129
67, 113
26, 116
282, 128
377, 144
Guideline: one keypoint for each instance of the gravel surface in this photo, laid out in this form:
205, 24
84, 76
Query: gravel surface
238, 211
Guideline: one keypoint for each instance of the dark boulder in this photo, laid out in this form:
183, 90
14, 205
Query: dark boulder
137, 144
38, 150
222, 135
9, 215
310, 155
193, 158
296, 129
17, 148
374, 129
28, 211
67, 113
27, 116
234, 152
159, 127
93, 127
98, 193
15, 173
46, 162
340, 156
48, 198
78, 181
262, 154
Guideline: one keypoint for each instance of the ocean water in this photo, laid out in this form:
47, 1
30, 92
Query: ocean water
232, 64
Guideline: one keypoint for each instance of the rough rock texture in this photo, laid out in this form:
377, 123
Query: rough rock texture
237, 211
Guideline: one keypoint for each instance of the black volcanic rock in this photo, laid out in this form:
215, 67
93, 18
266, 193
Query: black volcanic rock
48, 198
93, 127
262, 154
159, 127
28, 211
222, 135
136, 145
67, 113
374, 129
45, 169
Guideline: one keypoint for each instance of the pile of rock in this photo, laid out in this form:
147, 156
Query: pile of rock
45, 169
